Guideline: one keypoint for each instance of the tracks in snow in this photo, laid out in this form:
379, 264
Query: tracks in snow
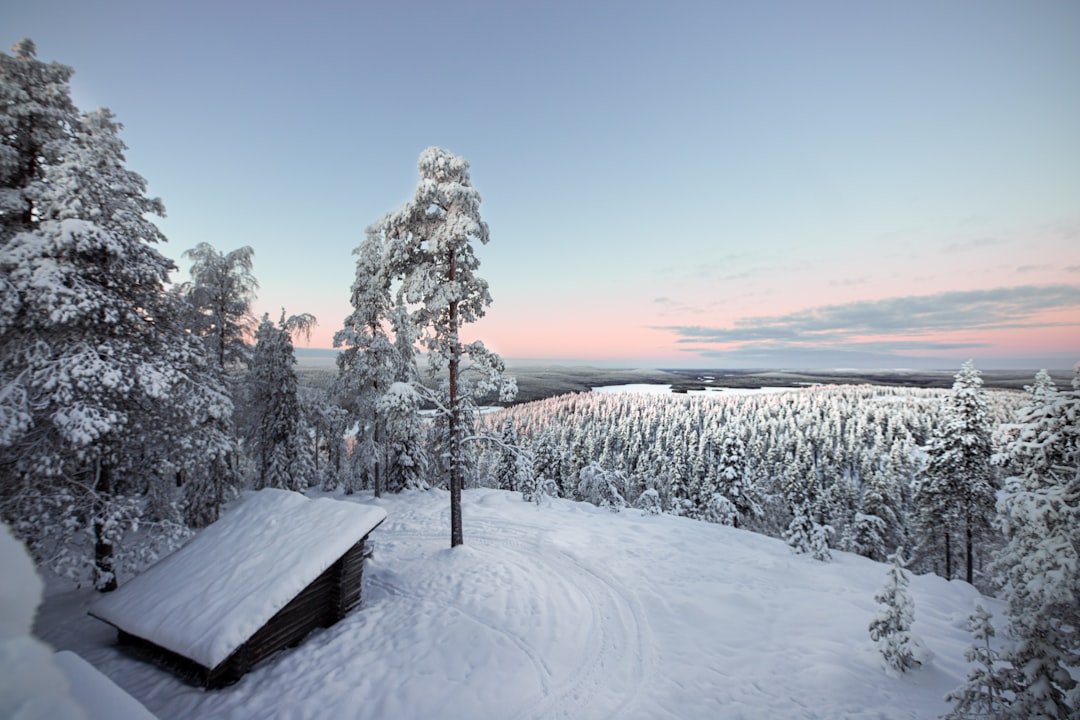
582, 631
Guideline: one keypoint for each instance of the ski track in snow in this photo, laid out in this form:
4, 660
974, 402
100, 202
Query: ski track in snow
609, 653
616, 653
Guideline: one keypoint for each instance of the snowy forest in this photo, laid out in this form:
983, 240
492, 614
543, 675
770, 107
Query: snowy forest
135, 406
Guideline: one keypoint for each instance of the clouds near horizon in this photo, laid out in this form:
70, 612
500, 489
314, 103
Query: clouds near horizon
937, 323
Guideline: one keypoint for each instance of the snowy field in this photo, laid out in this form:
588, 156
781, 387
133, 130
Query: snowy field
571, 611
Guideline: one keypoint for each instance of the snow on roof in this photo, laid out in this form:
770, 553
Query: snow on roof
210, 596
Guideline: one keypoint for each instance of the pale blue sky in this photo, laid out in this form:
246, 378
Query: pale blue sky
659, 177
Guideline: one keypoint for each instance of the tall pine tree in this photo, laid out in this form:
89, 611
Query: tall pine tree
278, 436
430, 249
956, 497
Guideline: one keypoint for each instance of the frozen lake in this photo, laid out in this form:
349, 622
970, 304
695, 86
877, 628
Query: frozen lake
660, 389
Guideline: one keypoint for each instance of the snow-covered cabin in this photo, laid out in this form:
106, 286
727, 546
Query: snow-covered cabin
262, 577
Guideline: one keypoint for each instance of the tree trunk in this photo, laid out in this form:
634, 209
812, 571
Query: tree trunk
377, 432
457, 536
970, 548
104, 562
948, 556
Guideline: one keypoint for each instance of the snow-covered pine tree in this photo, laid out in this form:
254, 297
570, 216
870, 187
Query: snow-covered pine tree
800, 530
983, 695
512, 467
876, 524
820, 534
956, 497
278, 437
547, 458
218, 298
732, 476
202, 454
36, 118
407, 461
221, 290
94, 369
1039, 513
366, 363
867, 535
891, 628
333, 423
430, 249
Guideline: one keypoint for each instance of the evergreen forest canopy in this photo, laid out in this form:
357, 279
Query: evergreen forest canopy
132, 410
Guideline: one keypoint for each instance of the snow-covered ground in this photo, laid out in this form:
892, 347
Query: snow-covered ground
571, 611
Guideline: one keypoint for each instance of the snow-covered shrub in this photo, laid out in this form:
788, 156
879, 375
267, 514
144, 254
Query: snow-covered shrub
536, 487
720, 510
601, 487
649, 502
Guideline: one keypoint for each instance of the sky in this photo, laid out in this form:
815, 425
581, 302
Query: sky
668, 184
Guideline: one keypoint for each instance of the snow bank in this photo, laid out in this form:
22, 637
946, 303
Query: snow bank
32, 687
97, 694
210, 596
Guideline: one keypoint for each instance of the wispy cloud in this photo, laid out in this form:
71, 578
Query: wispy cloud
972, 245
849, 282
901, 324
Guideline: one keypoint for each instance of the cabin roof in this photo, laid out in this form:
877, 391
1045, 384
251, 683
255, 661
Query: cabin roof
209, 597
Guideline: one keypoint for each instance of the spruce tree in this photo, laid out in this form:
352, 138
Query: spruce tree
278, 436
956, 496
101, 387
983, 695
1039, 513
36, 120
891, 628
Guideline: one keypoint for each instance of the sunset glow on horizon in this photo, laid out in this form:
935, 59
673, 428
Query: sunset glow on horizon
697, 185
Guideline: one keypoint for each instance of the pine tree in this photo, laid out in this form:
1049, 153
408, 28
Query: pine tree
732, 477
407, 465
221, 290
36, 119
430, 249
218, 299
95, 372
983, 695
800, 530
277, 433
957, 495
510, 470
891, 628
1039, 514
